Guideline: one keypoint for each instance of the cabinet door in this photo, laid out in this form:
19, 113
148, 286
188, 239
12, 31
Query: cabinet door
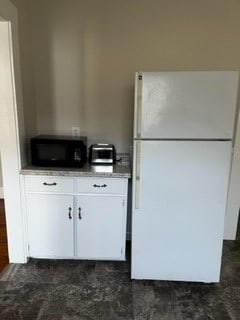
50, 225
101, 227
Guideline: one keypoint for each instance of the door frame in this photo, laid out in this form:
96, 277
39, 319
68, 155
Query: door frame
12, 138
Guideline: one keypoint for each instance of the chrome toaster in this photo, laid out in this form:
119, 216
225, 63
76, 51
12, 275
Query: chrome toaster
102, 153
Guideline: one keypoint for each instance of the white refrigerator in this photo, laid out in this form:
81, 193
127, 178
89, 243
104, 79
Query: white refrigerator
183, 129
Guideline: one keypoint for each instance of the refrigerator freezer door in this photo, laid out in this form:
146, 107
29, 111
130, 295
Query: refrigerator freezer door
185, 105
178, 219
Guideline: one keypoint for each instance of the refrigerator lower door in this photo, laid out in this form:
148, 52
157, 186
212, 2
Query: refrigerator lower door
179, 200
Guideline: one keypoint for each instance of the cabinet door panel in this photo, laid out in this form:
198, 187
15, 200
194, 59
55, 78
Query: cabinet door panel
50, 227
100, 227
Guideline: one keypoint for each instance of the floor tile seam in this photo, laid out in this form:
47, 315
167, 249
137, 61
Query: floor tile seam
230, 287
224, 286
8, 271
2, 291
21, 284
226, 307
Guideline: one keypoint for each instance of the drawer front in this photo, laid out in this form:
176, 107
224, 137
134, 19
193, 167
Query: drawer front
101, 185
49, 184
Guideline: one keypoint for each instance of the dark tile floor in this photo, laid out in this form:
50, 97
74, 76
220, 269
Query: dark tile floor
84, 290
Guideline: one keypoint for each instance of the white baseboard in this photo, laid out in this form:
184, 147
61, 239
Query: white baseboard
1, 193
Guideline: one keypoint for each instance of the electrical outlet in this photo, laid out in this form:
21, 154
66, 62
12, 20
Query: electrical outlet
75, 131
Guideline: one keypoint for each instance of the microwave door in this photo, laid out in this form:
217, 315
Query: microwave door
58, 153
52, 152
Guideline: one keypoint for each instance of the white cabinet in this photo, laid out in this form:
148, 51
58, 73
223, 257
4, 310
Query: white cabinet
82, 218
101, 225
50, 225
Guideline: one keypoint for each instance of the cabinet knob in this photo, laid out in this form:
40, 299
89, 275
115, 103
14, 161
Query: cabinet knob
69, 213
80, 213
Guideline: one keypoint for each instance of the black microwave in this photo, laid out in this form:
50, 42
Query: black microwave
58, 151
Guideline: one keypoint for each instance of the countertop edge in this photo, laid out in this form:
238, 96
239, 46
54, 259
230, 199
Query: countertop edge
75, 174
118, 171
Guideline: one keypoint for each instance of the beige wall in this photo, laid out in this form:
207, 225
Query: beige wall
85, 54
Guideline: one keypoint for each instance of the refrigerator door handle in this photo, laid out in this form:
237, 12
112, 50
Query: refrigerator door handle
139, 106
137, 175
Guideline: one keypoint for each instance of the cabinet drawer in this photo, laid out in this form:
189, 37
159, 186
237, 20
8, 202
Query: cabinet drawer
101, 185
49, 184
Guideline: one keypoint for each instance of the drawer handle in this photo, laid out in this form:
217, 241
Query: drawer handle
100, 186
69, 213
49, 184
80, 213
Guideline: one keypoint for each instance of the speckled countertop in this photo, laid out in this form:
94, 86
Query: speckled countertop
118, 170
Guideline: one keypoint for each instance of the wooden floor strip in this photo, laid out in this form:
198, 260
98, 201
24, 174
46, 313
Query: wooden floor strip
3, 237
